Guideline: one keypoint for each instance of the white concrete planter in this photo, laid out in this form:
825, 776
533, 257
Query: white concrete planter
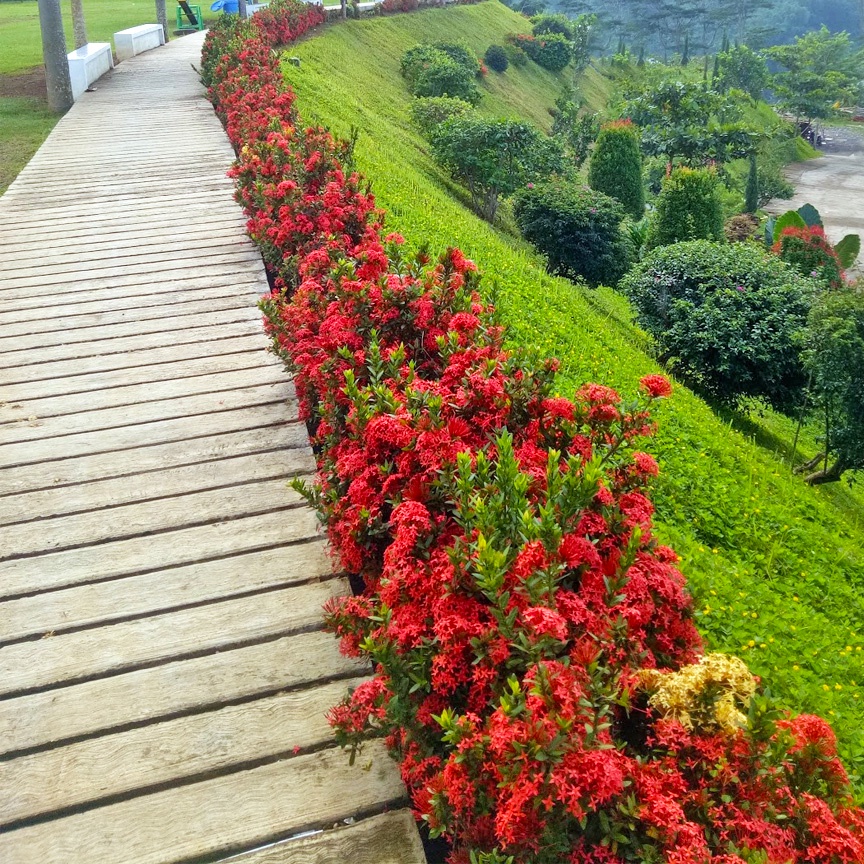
89, 64
137, 40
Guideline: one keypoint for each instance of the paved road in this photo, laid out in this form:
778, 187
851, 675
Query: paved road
834, 184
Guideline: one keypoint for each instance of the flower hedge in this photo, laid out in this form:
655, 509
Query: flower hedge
537, 672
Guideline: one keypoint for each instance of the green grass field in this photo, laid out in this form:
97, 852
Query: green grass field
776, 568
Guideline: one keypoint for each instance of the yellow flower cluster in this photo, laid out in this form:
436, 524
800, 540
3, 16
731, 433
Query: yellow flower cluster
710, 696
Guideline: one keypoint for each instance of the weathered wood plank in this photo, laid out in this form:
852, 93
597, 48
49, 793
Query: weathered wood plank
271, 432
152, 593
139, 758
105, 494
38, 440
194, 331
158, 692
161, 638
158, 354
388, 838
235, 811
56, 533
248, 374
140, 555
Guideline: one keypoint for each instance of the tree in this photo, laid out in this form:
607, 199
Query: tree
616, 166
743, 69
751, 194
682, 120
835, 360
79, 27
494, 157
575, 131
821, 69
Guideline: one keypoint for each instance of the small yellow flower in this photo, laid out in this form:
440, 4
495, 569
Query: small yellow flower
751, 643
795, 598
838, 686
753, 615
825, 687
795, 668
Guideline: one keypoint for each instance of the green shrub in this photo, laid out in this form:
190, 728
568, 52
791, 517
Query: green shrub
577, 228
496, 58
560, 24
494, 158
551, 51
688, 208
431, 71
516, 55
616, 166
430, 112
461, 53
728, 317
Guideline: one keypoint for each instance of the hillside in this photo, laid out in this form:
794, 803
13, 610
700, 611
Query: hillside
776, 568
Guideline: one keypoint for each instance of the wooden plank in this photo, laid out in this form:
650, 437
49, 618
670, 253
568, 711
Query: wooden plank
388, 838
155, 264
128, 328
104, 319
195, 331
158, 354
161, 638
235, 811
234, 469
56, 533
71, 307
181, 367
118, 764
154, 422
90, 564
157, 692
247, 373
164, 590
264, 429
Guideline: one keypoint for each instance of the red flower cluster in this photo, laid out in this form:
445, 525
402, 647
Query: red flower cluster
513, 588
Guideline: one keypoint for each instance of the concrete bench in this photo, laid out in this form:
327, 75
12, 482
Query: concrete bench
137, 40
89, 64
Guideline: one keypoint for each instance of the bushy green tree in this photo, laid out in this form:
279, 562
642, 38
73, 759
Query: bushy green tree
835, 360
578, 229
430, 112
576, 131
741, 68
688, 208
616, 166
552, 51
494, 157
496, 58
681, 120
729, 318
819, 69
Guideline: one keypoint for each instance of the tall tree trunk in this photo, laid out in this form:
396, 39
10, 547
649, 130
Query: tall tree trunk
54, 51
79, 28
242, 10
162, 17
344, 5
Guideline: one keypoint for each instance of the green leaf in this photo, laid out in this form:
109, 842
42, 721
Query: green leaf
848, 249
790, 219
810, 215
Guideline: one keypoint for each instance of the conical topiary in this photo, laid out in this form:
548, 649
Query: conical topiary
616, 166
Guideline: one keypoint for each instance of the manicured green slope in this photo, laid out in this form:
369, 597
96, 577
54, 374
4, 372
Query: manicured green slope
777, 569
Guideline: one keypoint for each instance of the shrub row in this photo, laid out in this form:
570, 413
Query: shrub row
537, 672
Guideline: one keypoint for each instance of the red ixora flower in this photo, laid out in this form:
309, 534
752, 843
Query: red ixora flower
656, 386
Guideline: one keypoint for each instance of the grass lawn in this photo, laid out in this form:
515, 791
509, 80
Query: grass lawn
776, 568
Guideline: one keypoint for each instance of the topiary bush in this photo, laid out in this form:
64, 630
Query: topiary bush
431, 112
616, 166
554, 23
496, 58
432, 71
688, 208
728, 318
577, 228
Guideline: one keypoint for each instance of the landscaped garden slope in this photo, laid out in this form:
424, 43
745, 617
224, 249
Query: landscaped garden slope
777, 569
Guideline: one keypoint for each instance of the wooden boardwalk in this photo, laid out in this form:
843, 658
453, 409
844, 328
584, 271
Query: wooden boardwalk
163, 673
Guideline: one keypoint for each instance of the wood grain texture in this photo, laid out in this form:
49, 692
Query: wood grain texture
389, 838
224, 813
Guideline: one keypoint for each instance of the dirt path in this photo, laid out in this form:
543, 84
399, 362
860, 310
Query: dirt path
833, 184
